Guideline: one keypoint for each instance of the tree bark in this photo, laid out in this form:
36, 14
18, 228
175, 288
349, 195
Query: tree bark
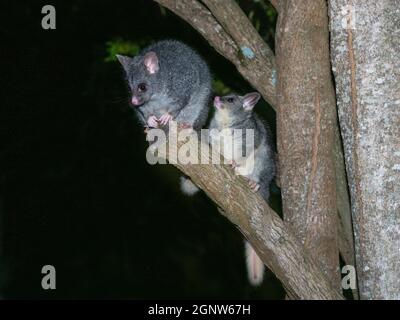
306, 127
274, 241
233, 36
365, 46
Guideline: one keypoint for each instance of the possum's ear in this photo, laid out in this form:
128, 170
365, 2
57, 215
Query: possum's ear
151, 62
125, 61
250, 100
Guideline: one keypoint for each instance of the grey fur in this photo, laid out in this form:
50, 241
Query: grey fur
181, 86
236, 112
234, 115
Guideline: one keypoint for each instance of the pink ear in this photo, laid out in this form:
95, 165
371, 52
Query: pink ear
250, 100
151, 62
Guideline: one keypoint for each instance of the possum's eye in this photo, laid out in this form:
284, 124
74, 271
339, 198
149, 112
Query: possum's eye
142, 87
230, 100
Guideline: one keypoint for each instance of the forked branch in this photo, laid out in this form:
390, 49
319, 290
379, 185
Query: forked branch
275, 243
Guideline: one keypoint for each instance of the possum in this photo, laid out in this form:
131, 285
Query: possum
258, 167
168, 81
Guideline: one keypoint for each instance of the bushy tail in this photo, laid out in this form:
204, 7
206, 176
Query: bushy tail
188, 187
255, 267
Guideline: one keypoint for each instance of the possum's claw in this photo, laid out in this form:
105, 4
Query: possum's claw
188, 128
152, 122
254, 185
233, 163
165, 119
185, 125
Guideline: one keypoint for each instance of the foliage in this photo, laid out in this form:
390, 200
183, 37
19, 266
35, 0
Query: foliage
125, 47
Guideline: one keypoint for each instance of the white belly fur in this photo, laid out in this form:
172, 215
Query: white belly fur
231, 149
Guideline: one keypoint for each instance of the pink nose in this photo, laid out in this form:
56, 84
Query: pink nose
135, 101
217, 102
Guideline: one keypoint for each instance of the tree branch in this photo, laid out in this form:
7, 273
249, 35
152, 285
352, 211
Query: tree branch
230, 32
274, 242
202, 20
256, 56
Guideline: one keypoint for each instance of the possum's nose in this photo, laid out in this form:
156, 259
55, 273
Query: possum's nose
217, 102
135, 101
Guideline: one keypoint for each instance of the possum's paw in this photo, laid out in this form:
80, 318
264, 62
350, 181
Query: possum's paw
152, 122
232, 163
165, 119
254, 185
185, 125
239, 170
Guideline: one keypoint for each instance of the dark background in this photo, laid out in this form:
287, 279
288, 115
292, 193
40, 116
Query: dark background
76, 191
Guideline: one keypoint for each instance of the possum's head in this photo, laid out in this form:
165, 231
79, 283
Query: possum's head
142, 76
236, 106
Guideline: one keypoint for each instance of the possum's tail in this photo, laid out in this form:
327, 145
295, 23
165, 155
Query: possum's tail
255, 267
188, 187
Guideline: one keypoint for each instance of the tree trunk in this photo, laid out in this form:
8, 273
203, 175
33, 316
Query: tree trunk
365, 46
306, 125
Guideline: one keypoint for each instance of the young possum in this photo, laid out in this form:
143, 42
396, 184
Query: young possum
168, 80
236, 112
